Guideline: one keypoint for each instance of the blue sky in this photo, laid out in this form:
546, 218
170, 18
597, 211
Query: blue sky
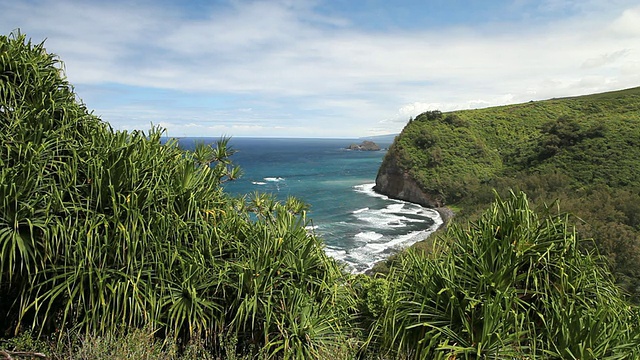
342, 68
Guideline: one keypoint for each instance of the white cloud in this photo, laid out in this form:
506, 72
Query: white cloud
293, 69
416, 108
628, 23
605, 59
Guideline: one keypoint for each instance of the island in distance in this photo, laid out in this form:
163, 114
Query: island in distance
365, 146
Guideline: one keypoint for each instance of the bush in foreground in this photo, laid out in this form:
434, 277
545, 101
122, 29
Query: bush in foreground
103, 230
512, 284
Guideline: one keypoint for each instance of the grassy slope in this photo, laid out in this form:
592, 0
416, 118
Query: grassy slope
487, 143
581, 150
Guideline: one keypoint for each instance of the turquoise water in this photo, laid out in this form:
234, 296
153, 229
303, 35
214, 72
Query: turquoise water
357, 225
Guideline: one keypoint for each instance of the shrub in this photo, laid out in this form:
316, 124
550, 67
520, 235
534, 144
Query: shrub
103, 230
513, 284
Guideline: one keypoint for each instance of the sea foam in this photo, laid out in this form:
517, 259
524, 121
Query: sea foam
369, 235
385, 230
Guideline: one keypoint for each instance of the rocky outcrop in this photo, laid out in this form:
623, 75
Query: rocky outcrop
396, 183
365, 146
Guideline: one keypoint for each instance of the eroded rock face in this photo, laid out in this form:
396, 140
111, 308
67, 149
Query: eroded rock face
397, 184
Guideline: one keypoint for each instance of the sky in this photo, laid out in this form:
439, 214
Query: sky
321, 68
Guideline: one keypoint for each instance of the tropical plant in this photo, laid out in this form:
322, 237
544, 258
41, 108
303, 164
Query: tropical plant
512, 284
104, 230
124, 239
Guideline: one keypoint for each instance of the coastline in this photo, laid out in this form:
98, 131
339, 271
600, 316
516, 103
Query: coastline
446, 214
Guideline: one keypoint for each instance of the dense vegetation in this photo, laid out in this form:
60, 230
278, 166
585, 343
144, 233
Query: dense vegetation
512, 284
115, 245
584, 151
102, 231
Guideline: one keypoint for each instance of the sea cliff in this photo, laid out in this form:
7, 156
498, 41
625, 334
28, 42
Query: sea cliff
396, 183
578, 153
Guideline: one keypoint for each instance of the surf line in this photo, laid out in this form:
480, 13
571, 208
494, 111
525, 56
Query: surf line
376, 247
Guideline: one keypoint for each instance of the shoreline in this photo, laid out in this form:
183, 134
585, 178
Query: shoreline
445, 213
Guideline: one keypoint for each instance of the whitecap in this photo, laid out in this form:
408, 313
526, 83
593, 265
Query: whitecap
394, 208
399, 241
398, 222
258, 183
372, 242
381, 219
337, 254
365, 257
369, 235
368, 190
374, 246
274, 179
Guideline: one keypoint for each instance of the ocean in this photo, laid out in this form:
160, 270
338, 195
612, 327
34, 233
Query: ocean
358, 226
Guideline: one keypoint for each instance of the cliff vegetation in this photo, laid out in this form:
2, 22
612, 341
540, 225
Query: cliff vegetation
583, 151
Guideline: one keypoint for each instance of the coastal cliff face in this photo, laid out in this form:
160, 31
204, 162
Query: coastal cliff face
396, 183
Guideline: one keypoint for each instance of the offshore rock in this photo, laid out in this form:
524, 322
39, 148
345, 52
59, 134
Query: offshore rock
365, 146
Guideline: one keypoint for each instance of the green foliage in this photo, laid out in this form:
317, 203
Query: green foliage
437, 150
372, 295
593, 139
135, 344
562, 134
429, 116
26, 342
513, 284
117, 245
104, 230
584, 151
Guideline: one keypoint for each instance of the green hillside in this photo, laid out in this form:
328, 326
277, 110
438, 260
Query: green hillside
584, 151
